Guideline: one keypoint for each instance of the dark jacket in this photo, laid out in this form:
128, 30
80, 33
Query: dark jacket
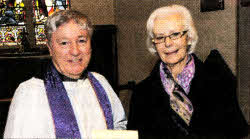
212, 93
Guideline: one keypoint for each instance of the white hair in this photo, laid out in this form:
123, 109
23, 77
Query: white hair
165, 11
62, 17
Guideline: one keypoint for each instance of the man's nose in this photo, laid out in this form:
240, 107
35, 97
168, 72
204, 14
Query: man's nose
75, 49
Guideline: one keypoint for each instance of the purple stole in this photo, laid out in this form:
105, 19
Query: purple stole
103, 100
62, 112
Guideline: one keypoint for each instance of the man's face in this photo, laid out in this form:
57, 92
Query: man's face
171, 51
70, 49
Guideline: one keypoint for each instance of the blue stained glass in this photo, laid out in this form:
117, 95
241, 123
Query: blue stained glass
12, 12
12, 19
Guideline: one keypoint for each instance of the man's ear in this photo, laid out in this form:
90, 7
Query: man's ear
50, 48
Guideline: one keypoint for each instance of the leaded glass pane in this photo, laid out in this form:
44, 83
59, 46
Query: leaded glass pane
12, 12
43, 8
12, 22
11, 35
40, 35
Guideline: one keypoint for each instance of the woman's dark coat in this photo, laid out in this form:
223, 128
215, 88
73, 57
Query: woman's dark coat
212, 93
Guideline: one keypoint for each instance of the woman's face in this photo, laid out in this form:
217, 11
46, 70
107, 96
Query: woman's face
70, 49
171, 51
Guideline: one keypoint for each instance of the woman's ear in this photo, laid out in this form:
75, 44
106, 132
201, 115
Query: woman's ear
189, 43
189, 40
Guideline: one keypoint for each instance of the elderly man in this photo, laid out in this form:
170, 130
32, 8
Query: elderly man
65, 101
184, 97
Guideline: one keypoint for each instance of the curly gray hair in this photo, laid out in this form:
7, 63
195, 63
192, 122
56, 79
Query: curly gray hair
164, 11
61, 17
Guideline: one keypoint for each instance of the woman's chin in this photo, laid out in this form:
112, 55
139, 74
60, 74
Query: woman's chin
170, 61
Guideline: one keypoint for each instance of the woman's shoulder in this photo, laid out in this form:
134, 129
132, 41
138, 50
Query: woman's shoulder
214, 67
149, 86
216, 64
152, 78
215, 73
145, 84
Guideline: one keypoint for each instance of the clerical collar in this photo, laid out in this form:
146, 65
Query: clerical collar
65, 78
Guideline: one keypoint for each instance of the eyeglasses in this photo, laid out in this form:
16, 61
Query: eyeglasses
173, 36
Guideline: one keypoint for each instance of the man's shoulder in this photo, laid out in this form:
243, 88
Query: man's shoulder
97, 75
31, 87
32, 83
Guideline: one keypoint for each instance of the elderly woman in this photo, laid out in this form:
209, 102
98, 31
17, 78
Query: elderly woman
184, 97
65, 101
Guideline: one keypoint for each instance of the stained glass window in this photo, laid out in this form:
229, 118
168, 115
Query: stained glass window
11, 35
16, 20
12, 22
43, 8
